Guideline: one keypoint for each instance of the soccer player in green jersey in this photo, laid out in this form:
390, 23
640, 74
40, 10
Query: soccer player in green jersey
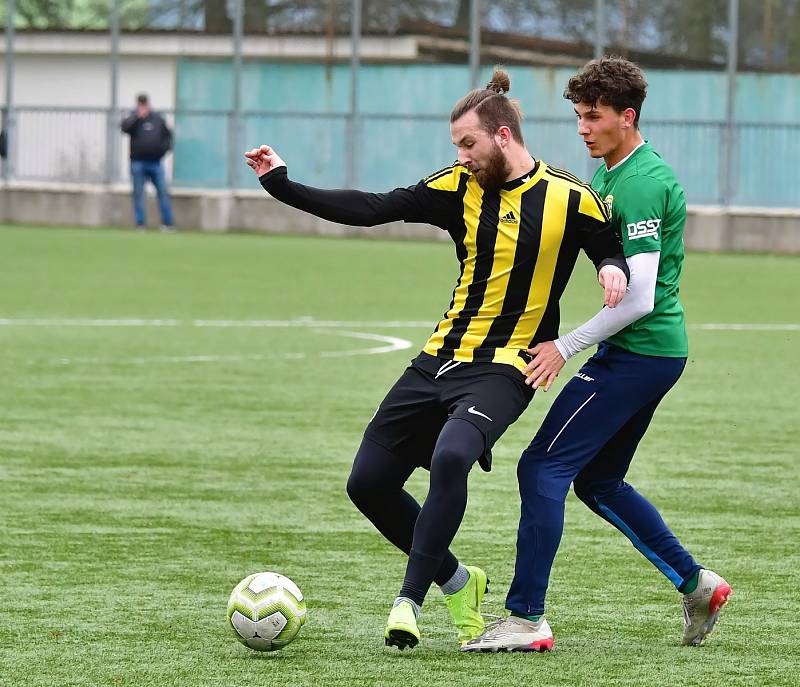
591, 432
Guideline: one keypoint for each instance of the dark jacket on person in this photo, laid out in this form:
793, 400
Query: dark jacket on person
150, 136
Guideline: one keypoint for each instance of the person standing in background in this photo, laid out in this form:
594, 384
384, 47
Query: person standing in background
151, 139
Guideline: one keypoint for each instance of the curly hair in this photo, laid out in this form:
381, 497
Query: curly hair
612, 81
492, 106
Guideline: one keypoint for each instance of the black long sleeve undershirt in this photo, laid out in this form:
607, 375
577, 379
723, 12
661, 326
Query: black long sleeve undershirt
354, 208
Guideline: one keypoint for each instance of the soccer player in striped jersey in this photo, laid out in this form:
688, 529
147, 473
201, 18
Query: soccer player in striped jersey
518, 226
592, 429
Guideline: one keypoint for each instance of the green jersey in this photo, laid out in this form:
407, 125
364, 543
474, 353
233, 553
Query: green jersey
648, 211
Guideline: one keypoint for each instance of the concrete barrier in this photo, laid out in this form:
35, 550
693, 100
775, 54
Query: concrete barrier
728, 229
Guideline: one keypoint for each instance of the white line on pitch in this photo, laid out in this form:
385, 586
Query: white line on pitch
222, 324
392, 344
785, 327
59, 322
310, 322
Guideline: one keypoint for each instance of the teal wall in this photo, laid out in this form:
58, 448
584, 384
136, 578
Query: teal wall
301, 109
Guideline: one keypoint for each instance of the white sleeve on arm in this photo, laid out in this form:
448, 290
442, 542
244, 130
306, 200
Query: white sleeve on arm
638, 302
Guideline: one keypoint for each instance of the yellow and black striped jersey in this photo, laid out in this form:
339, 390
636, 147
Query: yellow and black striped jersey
516, 249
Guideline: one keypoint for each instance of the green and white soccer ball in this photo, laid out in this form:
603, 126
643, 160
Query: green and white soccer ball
266, 611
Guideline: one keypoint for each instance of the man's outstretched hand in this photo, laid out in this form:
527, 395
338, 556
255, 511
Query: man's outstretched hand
263, 159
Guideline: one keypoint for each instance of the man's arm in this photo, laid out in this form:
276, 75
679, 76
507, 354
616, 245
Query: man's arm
550, 356
166, 135
637, 204
129, 123
354, 208
639, 301
600, 242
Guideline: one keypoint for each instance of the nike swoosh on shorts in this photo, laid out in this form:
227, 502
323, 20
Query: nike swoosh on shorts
472, 410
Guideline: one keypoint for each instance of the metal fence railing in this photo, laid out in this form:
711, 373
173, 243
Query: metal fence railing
725, 160
71, 145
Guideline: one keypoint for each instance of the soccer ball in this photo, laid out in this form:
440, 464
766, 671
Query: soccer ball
266, 611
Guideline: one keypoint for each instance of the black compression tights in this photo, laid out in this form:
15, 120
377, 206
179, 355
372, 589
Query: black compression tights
376, 488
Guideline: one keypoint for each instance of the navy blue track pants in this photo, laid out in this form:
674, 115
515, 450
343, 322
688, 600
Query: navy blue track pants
588, 438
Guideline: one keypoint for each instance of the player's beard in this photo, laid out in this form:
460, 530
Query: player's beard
492, 175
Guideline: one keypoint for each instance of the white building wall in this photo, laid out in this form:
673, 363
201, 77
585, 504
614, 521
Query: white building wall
73, 69
85, 80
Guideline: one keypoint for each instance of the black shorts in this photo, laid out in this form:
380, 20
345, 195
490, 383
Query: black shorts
490, 396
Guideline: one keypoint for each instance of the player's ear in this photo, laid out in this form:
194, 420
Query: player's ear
630, 117
504, 135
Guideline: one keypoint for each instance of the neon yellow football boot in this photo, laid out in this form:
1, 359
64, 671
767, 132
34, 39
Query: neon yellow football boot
401, 628
465, 605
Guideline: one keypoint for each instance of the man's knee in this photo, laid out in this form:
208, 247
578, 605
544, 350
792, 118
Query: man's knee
590, 491
583, 490
375, 472
452, 460
458, 448
358, 488
530, 461
364, 480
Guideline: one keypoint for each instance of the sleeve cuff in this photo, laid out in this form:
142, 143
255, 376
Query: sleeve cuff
273, 176
617, 261
562, 349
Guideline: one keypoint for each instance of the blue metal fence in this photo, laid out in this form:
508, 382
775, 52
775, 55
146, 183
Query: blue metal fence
69, 144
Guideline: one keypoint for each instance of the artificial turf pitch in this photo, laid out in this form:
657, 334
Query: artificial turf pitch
181, 410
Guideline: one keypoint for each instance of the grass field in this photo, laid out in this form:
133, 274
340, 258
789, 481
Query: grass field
182, 410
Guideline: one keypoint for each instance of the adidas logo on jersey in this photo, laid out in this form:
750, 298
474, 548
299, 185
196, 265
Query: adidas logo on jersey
509, 218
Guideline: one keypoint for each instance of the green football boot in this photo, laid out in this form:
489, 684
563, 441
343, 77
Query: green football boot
465, 605
401, 628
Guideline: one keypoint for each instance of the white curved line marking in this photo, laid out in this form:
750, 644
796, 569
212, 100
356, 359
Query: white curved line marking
393, 344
